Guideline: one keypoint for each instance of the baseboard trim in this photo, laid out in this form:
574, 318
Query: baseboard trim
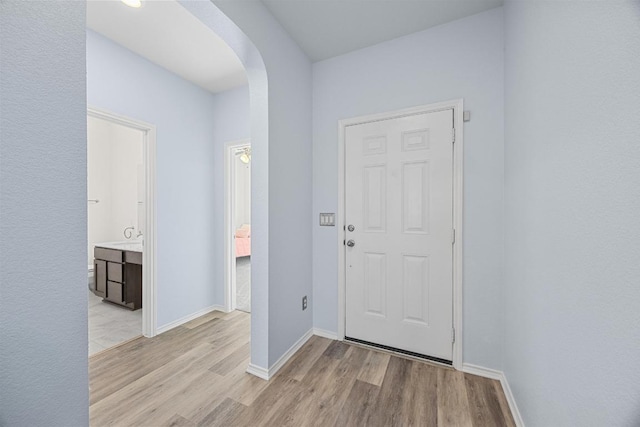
267, 374
511, 401
188, 318
500, 376
325, 334
258, 371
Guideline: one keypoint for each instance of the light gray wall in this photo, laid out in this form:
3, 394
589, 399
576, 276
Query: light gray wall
572, 174
231, 112
462, 59
289, 177
43, 217
122, 82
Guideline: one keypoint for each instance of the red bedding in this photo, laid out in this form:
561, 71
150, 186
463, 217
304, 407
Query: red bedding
243, 246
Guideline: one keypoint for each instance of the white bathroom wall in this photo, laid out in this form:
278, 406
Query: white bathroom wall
127, 157
243, 193
98, 184
114, 157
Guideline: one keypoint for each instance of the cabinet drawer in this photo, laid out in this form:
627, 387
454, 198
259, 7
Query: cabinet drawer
133, 257
114, 292
114, 272
107, 254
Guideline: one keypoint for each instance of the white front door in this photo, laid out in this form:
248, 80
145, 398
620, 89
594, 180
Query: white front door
399, 257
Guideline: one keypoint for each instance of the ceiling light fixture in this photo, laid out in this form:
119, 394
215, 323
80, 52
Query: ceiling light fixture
133, 3
245, 157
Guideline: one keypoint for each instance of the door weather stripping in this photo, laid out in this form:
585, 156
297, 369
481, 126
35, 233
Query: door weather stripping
453, 135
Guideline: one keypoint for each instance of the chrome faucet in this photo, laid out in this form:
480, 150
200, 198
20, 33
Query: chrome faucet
128, 232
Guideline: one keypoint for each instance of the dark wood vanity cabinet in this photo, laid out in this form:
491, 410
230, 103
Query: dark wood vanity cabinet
118, 276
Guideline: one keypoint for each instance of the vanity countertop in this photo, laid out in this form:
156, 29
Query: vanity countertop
129, 245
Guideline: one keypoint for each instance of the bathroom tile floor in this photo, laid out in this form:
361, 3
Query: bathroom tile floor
110, 325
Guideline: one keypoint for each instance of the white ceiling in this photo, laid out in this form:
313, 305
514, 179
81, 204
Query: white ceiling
168, 35
327, 28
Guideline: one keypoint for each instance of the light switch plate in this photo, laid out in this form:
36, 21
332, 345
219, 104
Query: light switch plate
328, 219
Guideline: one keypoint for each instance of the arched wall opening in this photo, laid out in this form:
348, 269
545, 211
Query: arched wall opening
280, 84
248, 54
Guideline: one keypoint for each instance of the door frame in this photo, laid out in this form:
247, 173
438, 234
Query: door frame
229, 203
457, 106
149, 270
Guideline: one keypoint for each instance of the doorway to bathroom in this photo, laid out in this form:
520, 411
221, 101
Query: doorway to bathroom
238, 225
120, 223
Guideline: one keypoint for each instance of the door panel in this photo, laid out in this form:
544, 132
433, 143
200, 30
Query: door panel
399, 198
375, 283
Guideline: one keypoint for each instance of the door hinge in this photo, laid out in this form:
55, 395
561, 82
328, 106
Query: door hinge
453, 135
453, 335
344, 243
453, 236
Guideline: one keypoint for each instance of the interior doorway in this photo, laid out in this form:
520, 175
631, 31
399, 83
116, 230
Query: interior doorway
121, 229
238, 225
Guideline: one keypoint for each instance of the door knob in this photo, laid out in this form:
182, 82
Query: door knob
351, 227
351, 243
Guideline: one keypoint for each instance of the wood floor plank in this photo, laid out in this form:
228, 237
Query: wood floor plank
150, 390
270, 402
225, 414
200, 405
300, 364
388, 407
374, 368
245, 388
484, 405
359, 403
325, 409
420, 396
195, 374
504, 405
227, 364
178, 421
336, 349
314, 383
138, 358
453, 406
204, 319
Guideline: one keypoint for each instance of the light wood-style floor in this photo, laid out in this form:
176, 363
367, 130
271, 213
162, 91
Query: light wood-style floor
194, 375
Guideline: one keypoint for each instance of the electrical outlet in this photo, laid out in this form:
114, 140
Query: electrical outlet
304, 302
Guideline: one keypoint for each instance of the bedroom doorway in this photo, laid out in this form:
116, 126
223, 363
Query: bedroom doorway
238, 225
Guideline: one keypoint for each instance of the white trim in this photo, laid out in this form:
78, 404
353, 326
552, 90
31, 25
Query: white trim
149, 268
493, 374
267, 374
511, 400
258, 371
190, 317
500, 376
458, 200
229, 202
325, 334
